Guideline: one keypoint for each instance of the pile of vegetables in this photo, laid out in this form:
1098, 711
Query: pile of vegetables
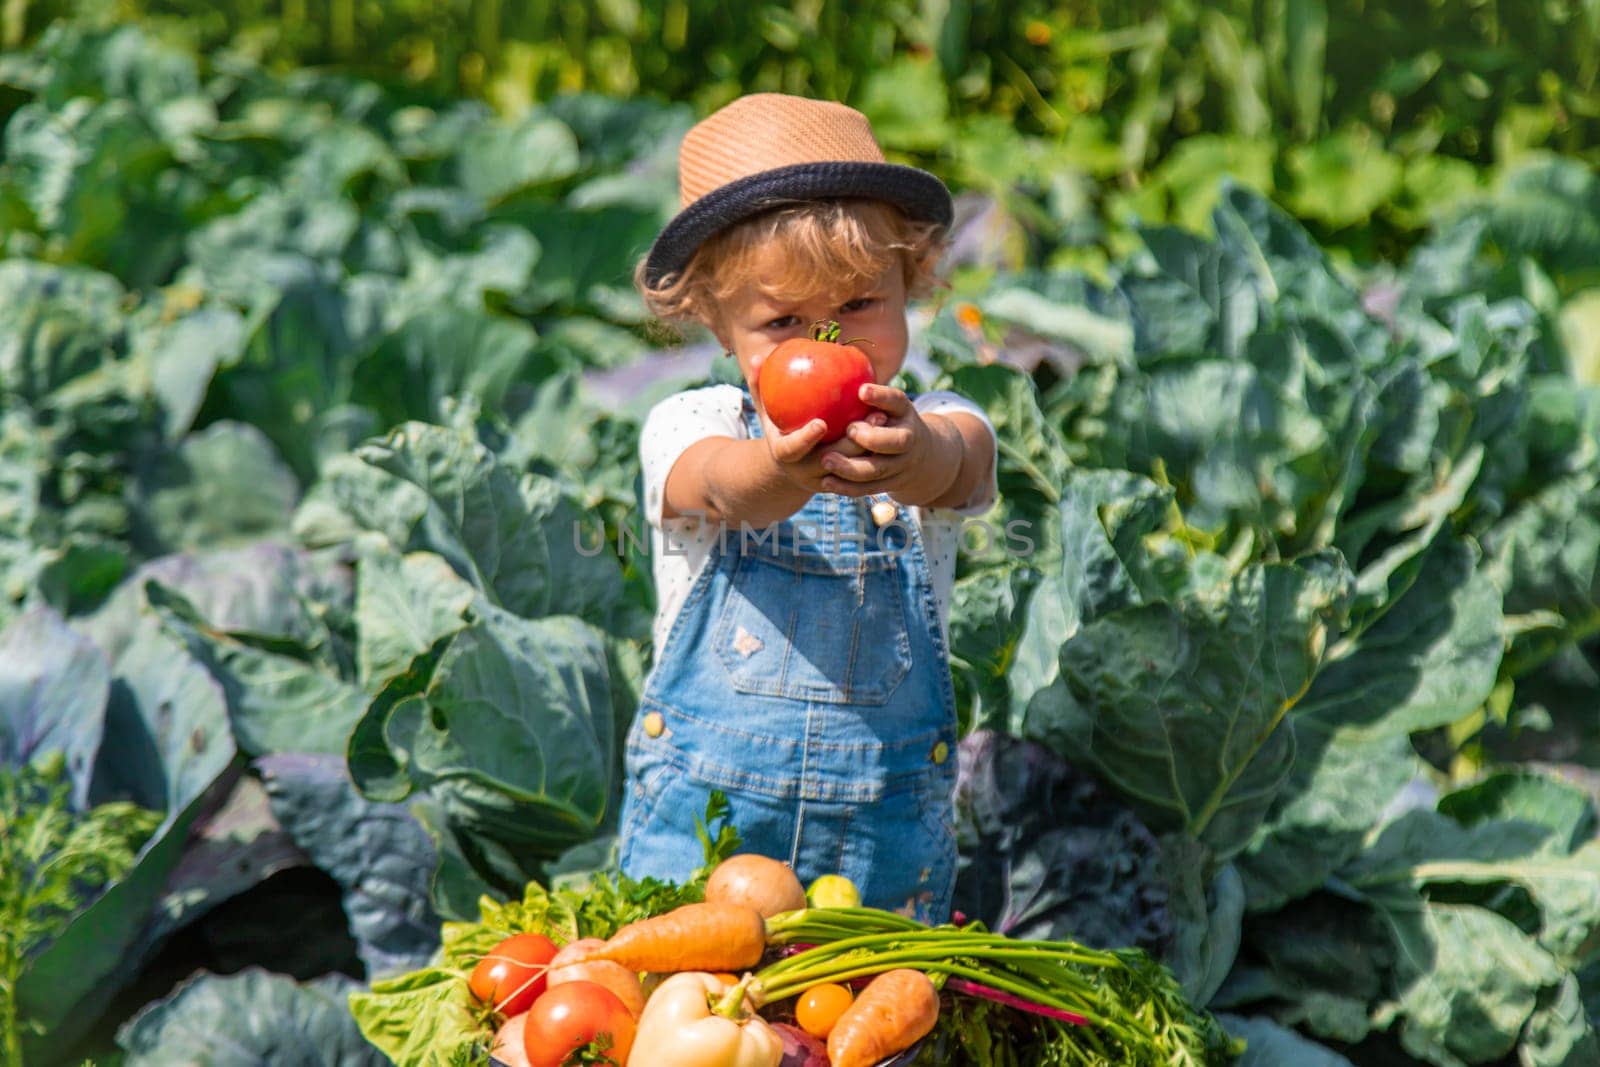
740, 967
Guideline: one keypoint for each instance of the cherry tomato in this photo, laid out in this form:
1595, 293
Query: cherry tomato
806, 378
570, 1016
512, 975
820, 1007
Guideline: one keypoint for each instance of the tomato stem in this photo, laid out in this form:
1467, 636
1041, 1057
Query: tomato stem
828, 330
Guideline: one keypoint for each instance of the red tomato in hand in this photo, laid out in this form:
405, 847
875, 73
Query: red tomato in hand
512, 975
805, 378
570, 1016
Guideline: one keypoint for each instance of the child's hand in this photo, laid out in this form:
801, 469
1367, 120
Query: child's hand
800, 459
901, 453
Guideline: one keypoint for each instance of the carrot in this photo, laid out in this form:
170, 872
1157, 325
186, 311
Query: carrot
893, 1013
693, 937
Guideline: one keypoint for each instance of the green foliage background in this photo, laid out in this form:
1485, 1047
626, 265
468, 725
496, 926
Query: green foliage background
1365, 119
317, 341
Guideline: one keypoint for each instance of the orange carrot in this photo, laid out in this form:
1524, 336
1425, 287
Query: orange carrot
894, 1012
693, 937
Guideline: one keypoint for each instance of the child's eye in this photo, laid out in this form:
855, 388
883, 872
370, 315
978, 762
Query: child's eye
782, 323
859, 304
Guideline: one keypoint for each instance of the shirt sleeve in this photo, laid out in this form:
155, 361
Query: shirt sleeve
943, 402
676, 423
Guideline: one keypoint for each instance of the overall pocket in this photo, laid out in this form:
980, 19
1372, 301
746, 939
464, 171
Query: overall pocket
808, 632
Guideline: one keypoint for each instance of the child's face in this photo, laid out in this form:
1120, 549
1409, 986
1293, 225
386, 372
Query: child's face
753, 323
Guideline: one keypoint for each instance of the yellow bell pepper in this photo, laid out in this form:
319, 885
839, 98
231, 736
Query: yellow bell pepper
693, 1020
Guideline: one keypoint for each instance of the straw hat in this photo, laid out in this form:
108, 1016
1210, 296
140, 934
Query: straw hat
768, 149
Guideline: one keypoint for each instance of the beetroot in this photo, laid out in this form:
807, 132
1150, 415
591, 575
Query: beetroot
800, 1049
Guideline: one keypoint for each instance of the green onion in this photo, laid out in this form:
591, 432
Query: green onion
1133, 1009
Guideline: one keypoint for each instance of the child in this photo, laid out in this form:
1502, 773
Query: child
801, 661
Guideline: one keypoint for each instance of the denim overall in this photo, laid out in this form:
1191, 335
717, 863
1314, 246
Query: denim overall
806, 677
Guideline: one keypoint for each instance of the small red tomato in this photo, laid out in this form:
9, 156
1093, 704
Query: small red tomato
512, 975
815, 377
570, 1016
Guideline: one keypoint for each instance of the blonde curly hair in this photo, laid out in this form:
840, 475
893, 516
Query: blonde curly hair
826, 243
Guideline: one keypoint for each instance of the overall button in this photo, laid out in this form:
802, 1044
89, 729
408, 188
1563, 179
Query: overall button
654, 724
883, 512
941, 752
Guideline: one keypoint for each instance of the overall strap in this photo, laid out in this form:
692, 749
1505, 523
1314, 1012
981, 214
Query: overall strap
747, 412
